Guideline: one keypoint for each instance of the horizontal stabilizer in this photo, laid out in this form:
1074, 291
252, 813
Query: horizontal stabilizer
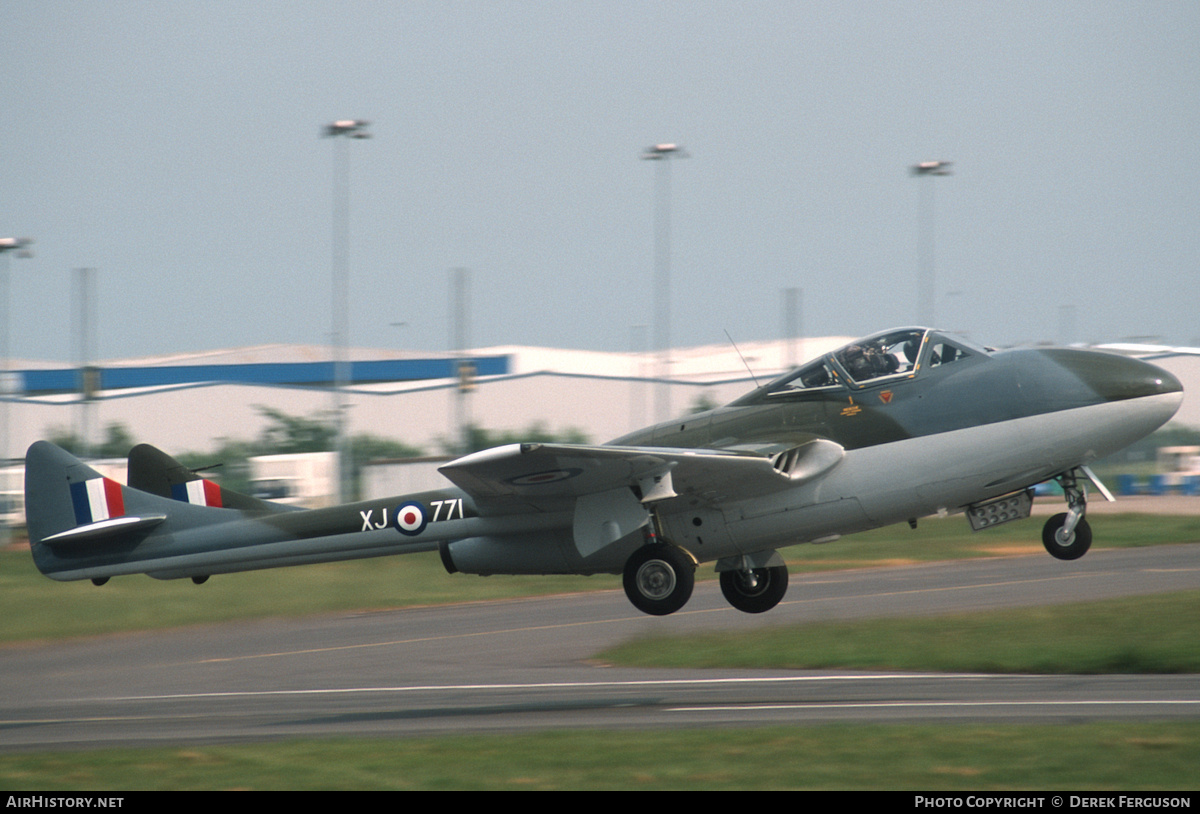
72, 508
104, 529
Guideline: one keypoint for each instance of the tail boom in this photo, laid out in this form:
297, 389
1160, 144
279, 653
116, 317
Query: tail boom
85, 526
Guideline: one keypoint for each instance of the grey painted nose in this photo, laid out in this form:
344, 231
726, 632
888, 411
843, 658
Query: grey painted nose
1114, 378
1140, 379
1121, 378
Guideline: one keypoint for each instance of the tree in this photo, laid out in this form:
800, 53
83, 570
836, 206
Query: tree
116, 444
536, 433
288, 433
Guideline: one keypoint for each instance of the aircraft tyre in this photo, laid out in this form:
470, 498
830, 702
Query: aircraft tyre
1071, 547
659, 579
755, 591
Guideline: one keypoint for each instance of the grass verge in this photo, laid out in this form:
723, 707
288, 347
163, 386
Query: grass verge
966, 757
1148, 634
35, 608
1144, 634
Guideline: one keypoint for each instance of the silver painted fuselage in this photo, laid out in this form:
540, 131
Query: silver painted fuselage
830, 449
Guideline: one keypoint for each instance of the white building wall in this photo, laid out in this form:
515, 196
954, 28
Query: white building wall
603, 395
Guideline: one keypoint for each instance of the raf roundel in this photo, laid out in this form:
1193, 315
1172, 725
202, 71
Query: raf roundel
549, 476
410, 518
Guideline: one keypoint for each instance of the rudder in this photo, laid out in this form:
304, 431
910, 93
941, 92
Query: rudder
155, 472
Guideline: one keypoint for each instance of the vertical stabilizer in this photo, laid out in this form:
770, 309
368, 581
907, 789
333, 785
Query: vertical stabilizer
63, 493
155, 472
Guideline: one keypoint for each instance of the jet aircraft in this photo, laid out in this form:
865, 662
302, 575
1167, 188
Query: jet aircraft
891, 428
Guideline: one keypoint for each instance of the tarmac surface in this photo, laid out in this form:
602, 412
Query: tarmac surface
530, 665
1132, 504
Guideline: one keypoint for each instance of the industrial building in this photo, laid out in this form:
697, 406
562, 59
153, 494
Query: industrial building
190, 402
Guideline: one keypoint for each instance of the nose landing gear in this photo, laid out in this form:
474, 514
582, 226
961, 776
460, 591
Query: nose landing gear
1068, 536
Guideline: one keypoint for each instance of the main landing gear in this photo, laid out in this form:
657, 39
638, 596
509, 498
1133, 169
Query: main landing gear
1068, 536
755, 590
659, 578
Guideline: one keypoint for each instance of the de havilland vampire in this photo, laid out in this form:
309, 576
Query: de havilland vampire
891, 428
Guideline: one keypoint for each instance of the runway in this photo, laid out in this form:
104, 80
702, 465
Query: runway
528, 664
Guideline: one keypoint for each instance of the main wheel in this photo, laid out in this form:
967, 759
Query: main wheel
755, 591
1066, 546
659, 579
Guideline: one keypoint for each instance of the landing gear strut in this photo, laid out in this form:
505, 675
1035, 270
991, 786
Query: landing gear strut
1068, 536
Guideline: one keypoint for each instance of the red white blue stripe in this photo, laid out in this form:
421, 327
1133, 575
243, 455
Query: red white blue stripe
96, 500
198, 493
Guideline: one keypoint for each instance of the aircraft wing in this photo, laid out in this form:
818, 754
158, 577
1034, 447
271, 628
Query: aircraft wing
547, 477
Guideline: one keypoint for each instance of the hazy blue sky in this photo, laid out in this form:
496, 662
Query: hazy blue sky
174, 146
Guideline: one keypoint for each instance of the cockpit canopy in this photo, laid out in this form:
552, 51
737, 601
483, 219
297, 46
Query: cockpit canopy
896, 354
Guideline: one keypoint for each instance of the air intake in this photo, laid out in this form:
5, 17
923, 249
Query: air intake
787, 460
808, 460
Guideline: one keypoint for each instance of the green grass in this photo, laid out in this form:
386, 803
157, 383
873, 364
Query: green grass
1145, 634
965, 757
35, 608
937, 539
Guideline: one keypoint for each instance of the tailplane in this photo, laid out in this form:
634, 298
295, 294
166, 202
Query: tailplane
68, 503
77, 517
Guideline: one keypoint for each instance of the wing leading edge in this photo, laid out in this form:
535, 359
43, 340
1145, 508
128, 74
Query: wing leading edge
546, 477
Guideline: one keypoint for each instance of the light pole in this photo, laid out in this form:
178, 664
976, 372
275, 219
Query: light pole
89, 379
926, 284
637, 377
662, 269
793, 317
464, 368
8, 384
341, 130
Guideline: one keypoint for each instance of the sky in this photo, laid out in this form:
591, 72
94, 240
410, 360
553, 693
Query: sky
175, 148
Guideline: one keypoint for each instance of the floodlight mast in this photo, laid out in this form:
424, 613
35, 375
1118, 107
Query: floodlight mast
352, 128
8, 385
342, 129
933, 168
662, 275
926, 281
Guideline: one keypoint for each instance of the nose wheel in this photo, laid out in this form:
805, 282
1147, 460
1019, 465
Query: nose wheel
1064, 544
1068, 536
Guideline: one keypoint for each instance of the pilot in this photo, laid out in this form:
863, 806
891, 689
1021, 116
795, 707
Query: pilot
852, 359
860, 361
865, 362
816, 378
885, 363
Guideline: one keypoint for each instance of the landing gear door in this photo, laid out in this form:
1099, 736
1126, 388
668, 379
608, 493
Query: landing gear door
702, 530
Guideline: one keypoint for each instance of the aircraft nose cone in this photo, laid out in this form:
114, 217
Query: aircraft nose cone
1167, 382
1133, 378
1115, 378
1137, 397
1168, 388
